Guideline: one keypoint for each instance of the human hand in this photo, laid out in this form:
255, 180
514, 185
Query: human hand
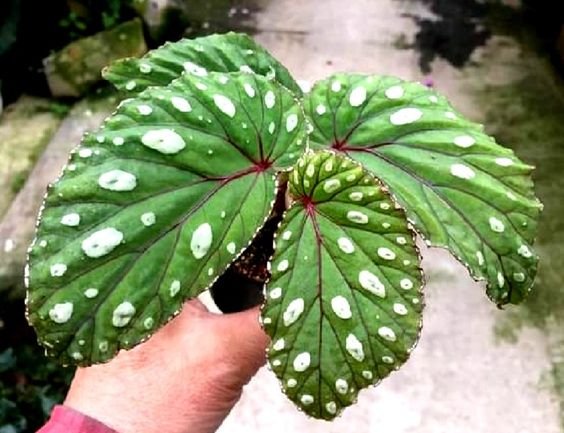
186, 378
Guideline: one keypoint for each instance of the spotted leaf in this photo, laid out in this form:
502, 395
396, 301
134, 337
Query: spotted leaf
461, 190
230, 52
153, 207
343, 308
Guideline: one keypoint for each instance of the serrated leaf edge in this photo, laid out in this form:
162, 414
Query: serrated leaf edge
420, 290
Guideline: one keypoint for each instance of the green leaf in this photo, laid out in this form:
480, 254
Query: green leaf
343, 308
230, 52
460, 189
154, 206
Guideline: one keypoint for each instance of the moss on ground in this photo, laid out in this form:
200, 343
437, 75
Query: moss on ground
25, 128
526, 112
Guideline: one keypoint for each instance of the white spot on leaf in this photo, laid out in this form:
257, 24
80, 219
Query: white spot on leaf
70, 219
91, 293
231, 248
61, 313
117, 180
464, 141
123, 314
357, 96
291, 122
144, 109
346, 245
386, 253
174, 288
246, 69
181, 104
307, 399
524, 251
148, 323
275, 293
356, 196
85, 153
394, 92
341, 307
500, 279
519, 277
249, 90
406, 284
269, 99
145, 68
164, 141
372, 283
302, 362
148, 219
341, 386
225, 105
278, 344
462, 171
202, 239
405, 116
357, 217
194, 69
400, 309
387, 333
293, 311
496, 225
102, 242
58, 269
504, 162
320, 109
331, 185
354, 347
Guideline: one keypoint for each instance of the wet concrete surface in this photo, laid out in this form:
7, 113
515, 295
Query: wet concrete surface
460, 378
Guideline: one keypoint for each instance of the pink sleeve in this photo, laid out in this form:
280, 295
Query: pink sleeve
66, 420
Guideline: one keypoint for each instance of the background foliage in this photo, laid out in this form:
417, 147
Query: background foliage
30, 384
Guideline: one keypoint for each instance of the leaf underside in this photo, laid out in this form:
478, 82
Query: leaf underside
343, 307
154, 206
460, 189
230, 52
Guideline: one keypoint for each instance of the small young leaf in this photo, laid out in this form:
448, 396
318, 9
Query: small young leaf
344, 304
461, 190
154, 206
230, 52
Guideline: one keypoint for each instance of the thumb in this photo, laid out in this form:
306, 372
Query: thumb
245, 339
